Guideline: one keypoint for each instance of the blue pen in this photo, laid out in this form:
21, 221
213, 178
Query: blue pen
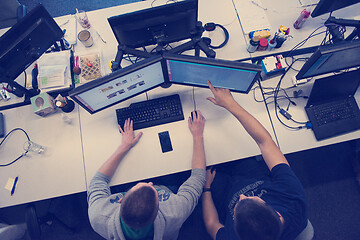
13, 188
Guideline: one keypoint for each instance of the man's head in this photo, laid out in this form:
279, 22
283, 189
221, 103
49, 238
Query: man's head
140, 205
256, 220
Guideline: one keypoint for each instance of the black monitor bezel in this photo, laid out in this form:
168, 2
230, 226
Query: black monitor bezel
324, 7
162, 10
214, 62
322, 50
110, 77
17, 35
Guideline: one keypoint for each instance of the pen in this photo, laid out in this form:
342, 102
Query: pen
13, 188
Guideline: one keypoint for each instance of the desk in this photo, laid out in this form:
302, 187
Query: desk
74, 152
297, 140
223, 141
286, 12
58, 171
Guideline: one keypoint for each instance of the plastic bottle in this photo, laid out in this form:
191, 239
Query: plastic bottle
301, 19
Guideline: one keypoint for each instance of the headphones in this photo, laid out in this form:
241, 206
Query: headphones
211, 27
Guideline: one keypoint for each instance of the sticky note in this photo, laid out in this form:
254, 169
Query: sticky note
9, 184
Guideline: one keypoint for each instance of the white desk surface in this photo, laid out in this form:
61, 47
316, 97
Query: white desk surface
99, 131
286, 12
225, 139
297, 140
58, 171
209, 11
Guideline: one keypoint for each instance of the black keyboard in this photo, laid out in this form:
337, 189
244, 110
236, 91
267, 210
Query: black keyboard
331, 112
152, 112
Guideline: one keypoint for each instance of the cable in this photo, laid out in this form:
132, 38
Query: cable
28, 138
283, 112
194, 99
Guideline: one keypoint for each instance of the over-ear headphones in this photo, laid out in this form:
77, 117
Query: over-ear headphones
211, 27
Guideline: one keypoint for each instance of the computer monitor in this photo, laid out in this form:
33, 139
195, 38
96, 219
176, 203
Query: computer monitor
25, 42
331, 58
327, 6
195, 71
163, 24
120, 85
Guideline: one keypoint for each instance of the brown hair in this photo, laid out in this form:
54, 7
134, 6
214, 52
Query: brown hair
139, 207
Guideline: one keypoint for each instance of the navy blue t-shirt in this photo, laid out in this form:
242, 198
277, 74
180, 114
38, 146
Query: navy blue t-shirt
281, 189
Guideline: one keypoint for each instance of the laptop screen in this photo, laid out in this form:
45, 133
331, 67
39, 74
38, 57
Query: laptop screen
119, 86
236, 76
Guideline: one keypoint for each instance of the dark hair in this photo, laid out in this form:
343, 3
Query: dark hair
256, 221
139, 207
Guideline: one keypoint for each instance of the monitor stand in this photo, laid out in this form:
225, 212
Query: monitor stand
197, 43
333, 23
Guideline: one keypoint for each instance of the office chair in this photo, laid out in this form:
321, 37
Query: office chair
307, 233
34, 223
11, 11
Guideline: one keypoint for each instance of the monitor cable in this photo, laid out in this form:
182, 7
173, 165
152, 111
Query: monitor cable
26, 151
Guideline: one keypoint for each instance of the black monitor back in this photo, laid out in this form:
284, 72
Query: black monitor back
331, 58
327, 6
163, 24
26, 41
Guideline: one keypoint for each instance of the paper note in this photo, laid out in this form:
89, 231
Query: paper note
252, 15
9, 184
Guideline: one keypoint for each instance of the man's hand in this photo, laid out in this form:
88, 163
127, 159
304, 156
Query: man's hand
222, 97
128, 137
196, 124
210, 175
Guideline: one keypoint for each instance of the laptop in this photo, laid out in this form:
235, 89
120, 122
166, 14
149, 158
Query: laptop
331, 107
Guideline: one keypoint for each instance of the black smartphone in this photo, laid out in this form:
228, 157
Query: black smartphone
2, 125
165, 142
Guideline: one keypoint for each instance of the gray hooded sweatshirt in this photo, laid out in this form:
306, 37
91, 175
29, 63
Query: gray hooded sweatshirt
174, 209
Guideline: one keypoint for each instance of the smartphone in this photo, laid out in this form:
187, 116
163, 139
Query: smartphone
165, 142
2, 125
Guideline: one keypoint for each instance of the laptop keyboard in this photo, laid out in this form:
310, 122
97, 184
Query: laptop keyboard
331, 112
152, 112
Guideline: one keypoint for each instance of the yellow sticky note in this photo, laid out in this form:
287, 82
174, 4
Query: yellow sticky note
9, 184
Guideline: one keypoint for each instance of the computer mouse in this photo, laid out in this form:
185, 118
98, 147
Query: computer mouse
192, 116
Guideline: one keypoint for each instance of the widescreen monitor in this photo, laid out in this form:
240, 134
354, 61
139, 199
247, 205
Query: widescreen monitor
196, 71
120, 85
162, 24
331, 58
327, 6
26, 41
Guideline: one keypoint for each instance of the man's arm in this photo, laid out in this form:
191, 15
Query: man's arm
190, 191
127, 142
270, 152
210, 214
196, 126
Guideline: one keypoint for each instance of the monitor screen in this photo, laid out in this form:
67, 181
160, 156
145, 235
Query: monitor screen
119, 85
165, 24
331, 58
195, 71
26, 41
327, 6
